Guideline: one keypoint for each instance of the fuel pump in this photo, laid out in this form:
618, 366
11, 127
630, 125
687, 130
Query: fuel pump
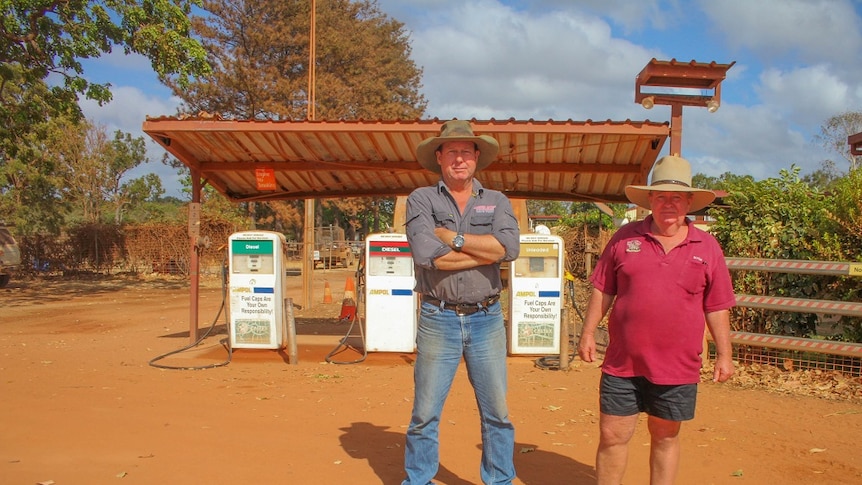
256, 290
390, 302
536, 284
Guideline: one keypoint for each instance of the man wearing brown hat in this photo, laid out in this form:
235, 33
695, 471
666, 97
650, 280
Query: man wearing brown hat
459, 233
665, 278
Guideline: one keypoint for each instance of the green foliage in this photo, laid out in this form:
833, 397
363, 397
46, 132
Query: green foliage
777, 218
31, 195
547, 207
587, 214
824, 176
45, 37
845, 216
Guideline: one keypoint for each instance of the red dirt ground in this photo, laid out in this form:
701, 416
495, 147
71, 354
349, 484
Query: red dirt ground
81, 405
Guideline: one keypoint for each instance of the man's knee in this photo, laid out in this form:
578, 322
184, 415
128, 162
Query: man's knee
617, 430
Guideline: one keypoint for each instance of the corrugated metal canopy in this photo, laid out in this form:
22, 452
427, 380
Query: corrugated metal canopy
543, 160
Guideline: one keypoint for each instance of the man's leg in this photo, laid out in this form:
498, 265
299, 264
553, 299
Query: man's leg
485, 355
615, 432
438, 344
664, 450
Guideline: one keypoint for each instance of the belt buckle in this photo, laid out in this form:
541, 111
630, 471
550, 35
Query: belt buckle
463, 310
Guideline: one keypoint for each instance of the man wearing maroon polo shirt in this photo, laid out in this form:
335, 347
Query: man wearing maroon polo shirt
665, 278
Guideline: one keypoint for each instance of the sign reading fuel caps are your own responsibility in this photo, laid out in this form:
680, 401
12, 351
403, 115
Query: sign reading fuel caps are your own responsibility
536, 288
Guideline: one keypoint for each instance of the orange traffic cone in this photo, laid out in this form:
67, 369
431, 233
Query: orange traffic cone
348, 305
327, 293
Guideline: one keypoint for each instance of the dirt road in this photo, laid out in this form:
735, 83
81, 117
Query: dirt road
79, 404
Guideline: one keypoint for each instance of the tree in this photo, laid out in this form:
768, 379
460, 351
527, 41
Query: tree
47, 39
42, 38
823, 177
91, 167
259, 50
835, 131
30, 197
147, 188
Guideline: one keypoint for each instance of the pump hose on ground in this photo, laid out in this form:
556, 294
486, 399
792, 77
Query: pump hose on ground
203, 337
553, 361
355, 319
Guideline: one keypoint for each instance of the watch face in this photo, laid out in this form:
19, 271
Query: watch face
458, 242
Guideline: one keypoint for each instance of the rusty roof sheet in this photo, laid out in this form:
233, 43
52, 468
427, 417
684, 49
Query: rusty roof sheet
543, 160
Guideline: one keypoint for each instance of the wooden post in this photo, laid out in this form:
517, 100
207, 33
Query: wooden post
564, 337
292, 353
194, 261
307, 253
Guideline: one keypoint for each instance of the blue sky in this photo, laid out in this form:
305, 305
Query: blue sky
797, 64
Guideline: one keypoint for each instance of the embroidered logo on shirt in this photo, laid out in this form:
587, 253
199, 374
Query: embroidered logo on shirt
698, 259
485, 209
633, 246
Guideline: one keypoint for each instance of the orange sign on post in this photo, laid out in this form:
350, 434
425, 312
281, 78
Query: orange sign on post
265, 178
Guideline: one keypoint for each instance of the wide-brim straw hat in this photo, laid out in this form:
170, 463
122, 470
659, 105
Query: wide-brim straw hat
670, 174
456, 130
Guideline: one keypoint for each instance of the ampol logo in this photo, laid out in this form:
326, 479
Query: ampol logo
525, 293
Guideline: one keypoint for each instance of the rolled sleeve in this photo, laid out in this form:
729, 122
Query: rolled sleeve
506, 230
424, 244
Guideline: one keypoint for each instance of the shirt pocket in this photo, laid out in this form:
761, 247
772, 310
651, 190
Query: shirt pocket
482, 223
444, 219
692, 278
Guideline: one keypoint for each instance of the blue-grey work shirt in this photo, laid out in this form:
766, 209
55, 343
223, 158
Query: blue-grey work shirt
487, 212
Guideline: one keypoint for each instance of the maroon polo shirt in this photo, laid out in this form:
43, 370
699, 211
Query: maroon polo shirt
657, 320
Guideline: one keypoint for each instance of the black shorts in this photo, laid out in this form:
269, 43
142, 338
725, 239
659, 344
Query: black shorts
625, 396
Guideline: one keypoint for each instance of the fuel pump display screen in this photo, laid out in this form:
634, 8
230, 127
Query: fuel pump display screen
389, 258
252, 256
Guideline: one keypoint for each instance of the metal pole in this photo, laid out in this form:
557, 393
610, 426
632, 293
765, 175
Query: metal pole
676, 129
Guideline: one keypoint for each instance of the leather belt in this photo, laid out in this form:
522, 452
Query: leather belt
462, 309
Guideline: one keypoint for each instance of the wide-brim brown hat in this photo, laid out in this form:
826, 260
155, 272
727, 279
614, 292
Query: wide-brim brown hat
456, 130
670, 174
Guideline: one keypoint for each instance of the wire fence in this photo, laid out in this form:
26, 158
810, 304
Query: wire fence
107, 250
154, 249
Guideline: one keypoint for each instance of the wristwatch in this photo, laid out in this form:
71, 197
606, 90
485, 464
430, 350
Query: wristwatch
458, 242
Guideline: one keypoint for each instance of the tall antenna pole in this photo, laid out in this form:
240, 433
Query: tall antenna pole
308, 222
312, 54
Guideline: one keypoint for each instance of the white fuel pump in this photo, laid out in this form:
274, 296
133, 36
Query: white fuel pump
536, 284
256, 290
390, 302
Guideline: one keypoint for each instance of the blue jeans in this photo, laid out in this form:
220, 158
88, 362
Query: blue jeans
442, 339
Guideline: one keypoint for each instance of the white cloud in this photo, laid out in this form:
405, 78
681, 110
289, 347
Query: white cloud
807, 95
803, 30
501, 63
746, 140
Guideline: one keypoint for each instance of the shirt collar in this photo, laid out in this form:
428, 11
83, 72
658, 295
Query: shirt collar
477, 187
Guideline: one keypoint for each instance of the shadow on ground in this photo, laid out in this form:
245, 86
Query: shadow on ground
384, 451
